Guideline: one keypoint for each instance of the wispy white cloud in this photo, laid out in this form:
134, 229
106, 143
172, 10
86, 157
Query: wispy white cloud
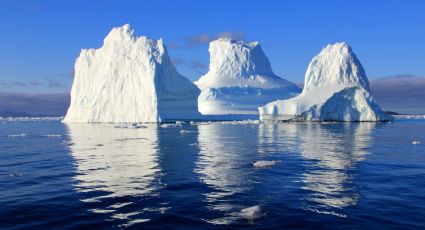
204, 38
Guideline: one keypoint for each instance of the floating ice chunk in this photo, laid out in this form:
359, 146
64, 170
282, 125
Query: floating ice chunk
171, 125
17, 135
264, 164
253, 212
193, 144
185, 131
416, 142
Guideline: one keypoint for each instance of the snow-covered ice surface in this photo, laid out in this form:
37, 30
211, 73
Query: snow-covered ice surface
129, 79
336, 88
240, 79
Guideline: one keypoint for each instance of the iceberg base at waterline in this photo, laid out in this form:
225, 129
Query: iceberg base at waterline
350, 104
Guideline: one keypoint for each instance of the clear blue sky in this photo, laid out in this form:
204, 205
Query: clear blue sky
40, 40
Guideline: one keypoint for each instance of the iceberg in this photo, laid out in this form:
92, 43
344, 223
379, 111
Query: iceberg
240, 79
129, 79
336, 88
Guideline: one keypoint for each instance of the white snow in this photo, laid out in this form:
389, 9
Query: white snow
264, 164
129, 79
240, 79
253, 212
336, 88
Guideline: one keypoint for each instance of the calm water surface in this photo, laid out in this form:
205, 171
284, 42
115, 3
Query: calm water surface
327, 176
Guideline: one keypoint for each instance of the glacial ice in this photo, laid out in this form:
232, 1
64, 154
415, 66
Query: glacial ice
336, 89
129, 79
240, 79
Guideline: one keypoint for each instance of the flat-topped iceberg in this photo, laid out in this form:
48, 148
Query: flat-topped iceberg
240, 79
336, 88
129, 79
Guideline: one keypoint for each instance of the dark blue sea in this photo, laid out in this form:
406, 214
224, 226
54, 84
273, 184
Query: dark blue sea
202, 175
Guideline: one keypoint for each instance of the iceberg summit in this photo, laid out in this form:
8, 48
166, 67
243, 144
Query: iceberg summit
336, 88
239, 80
129, 79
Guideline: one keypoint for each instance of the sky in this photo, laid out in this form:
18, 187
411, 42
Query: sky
40, 40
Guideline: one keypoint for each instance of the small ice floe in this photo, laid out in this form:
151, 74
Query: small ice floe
193, 144
416, 142
253, 212
52, 135
166, 125
185, 131
170, 125
17, 135
264, 164
15, 174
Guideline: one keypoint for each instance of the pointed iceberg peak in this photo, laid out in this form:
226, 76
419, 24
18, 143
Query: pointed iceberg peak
240, 78
129, 79
121, 33
336, 65
229, 41
336, 89
238, 63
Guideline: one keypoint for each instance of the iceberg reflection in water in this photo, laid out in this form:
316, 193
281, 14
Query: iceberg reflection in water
115, 165
225, 166
199, 174
330, 153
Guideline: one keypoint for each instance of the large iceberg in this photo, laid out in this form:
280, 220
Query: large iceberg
336, 88
129, 79
240, 79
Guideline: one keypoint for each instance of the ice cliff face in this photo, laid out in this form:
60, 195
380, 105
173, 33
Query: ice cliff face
240, 79
336, 88
129, 79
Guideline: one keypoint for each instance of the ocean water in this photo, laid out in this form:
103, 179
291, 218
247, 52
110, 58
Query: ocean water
202, 175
